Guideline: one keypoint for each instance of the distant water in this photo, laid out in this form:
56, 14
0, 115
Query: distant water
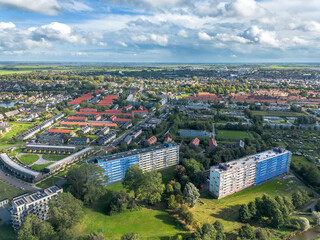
9, 104
311, 234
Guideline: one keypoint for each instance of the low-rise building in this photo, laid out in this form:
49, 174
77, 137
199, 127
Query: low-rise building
103, 140
195, 142
79, 140
152, 140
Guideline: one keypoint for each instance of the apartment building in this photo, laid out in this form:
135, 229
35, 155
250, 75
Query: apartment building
148, 159
36, 203
231, 177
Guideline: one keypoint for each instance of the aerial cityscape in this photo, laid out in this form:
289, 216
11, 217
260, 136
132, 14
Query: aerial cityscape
164, 120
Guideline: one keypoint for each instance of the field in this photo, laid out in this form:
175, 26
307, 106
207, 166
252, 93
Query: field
7, 191
17, 128
28, 159
7, 233
53, 157
226, 209
300, 161
233, 135
39, 167
48, 182
149, 222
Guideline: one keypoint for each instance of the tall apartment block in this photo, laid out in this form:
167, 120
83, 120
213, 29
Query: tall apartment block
236, 175
36, 203
148, 159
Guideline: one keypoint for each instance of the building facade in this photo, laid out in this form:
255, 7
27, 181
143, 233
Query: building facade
148, 159
234, 176
36, 203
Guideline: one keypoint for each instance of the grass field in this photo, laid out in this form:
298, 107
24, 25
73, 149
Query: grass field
7, 191
17, 128
7, 233
300, 161
226, 209
277, 113
48, 182
233, 135
53, 157
149, 222
39, 167
28, 159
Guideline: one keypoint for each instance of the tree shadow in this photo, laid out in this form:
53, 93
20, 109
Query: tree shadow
230, 213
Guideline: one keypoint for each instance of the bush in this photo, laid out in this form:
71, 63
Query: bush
121, 202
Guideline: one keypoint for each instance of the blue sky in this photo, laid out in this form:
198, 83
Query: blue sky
209, 31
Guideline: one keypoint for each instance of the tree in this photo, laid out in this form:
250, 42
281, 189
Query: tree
297, 200
65, 211
247, 232
262, 234
218, 226
191, 194
34, 229
172, 204
152, 187
244, 214
133, 179
131, 236
317, 207
121, 202
87, 182
277, 218
96, 236
252, 209
179, 172
303, 223
316, 218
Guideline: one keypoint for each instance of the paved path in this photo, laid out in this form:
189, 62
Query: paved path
15, 182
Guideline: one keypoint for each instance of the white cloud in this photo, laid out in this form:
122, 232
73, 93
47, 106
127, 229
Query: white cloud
6, 25
123, 44
49, 7
183, 33
57, 32
161, 40
230, 38
204, 36
263, 37
75, 6
152, 3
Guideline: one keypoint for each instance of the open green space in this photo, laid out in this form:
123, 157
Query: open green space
233, 135
39, 167
28, 159
300, 161
53, 157
7, 191
17, 128
226, 209
277, 113
48, 182
7, 232
149, 222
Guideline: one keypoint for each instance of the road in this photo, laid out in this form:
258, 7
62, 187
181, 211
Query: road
213, 131
15, 182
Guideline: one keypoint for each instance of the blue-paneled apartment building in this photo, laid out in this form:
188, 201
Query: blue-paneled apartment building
148, 159
231, 177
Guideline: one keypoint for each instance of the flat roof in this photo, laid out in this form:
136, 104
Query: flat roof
69, 157
136, 151
50, 146
259, 157
6, 159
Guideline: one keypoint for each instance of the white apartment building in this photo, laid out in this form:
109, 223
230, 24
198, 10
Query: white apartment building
36, 203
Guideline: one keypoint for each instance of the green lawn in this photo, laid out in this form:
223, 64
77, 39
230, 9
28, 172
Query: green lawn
48, 182
149, 222
39, 167
7, 233
17, 128
226, 209
233, 135
28, 159
300, 161
7, 191
53, 157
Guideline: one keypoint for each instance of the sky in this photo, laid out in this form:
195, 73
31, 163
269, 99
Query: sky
179, 31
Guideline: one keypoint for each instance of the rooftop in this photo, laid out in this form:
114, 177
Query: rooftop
136, 152
259, 157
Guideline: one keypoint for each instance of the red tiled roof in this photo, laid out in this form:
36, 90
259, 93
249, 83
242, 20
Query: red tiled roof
59, 131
